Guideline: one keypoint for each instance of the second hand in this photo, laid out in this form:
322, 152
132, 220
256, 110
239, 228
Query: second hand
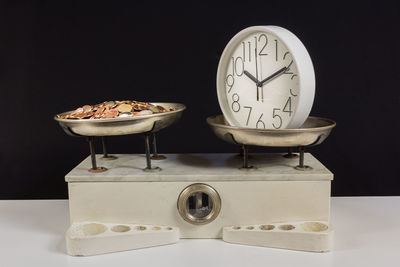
255, 55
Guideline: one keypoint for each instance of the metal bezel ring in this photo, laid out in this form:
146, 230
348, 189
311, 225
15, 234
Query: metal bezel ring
203, 188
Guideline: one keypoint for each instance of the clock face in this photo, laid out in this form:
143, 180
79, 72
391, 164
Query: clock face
261, 86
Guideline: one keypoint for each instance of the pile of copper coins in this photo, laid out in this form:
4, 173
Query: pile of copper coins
114, 109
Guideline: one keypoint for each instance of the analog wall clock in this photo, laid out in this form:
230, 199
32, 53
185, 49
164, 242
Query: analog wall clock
265, 79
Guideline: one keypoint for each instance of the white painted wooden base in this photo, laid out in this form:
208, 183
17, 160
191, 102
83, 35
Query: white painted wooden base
273, 191
92, 238
315, 236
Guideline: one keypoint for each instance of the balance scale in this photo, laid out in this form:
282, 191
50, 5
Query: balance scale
272, 200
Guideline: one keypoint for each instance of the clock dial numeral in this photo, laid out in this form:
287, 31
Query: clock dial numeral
244, 52
284, 56
249, 51
235, 103
248, 116
260, 123
230, 81
235, 62
276, 50
288, 106
261, 53
292, 93
274, 115
287, 71
255, 58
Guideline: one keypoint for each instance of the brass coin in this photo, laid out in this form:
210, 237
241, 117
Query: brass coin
124, 108
110, 104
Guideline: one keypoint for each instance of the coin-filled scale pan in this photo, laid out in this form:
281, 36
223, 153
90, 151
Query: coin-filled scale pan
148, 125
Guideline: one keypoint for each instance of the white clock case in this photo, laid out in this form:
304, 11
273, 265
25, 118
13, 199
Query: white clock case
302, 60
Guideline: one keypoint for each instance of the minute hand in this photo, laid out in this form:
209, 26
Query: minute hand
254, 79
272, 76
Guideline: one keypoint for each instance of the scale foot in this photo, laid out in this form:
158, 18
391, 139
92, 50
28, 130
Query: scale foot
109, 157
290, 156
248, 168
154, 169
98, 170
158, 157
303, 168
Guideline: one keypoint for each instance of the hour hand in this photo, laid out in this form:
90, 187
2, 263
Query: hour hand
254, 79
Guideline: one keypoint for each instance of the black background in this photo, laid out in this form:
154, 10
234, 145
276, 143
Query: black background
57, 55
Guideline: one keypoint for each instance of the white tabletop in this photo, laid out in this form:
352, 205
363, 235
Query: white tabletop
367, 233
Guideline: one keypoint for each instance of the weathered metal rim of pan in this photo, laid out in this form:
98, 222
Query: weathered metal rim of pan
178, 108
327, 124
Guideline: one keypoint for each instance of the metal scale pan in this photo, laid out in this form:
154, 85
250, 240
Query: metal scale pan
145, 124
313, 132
122, 126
